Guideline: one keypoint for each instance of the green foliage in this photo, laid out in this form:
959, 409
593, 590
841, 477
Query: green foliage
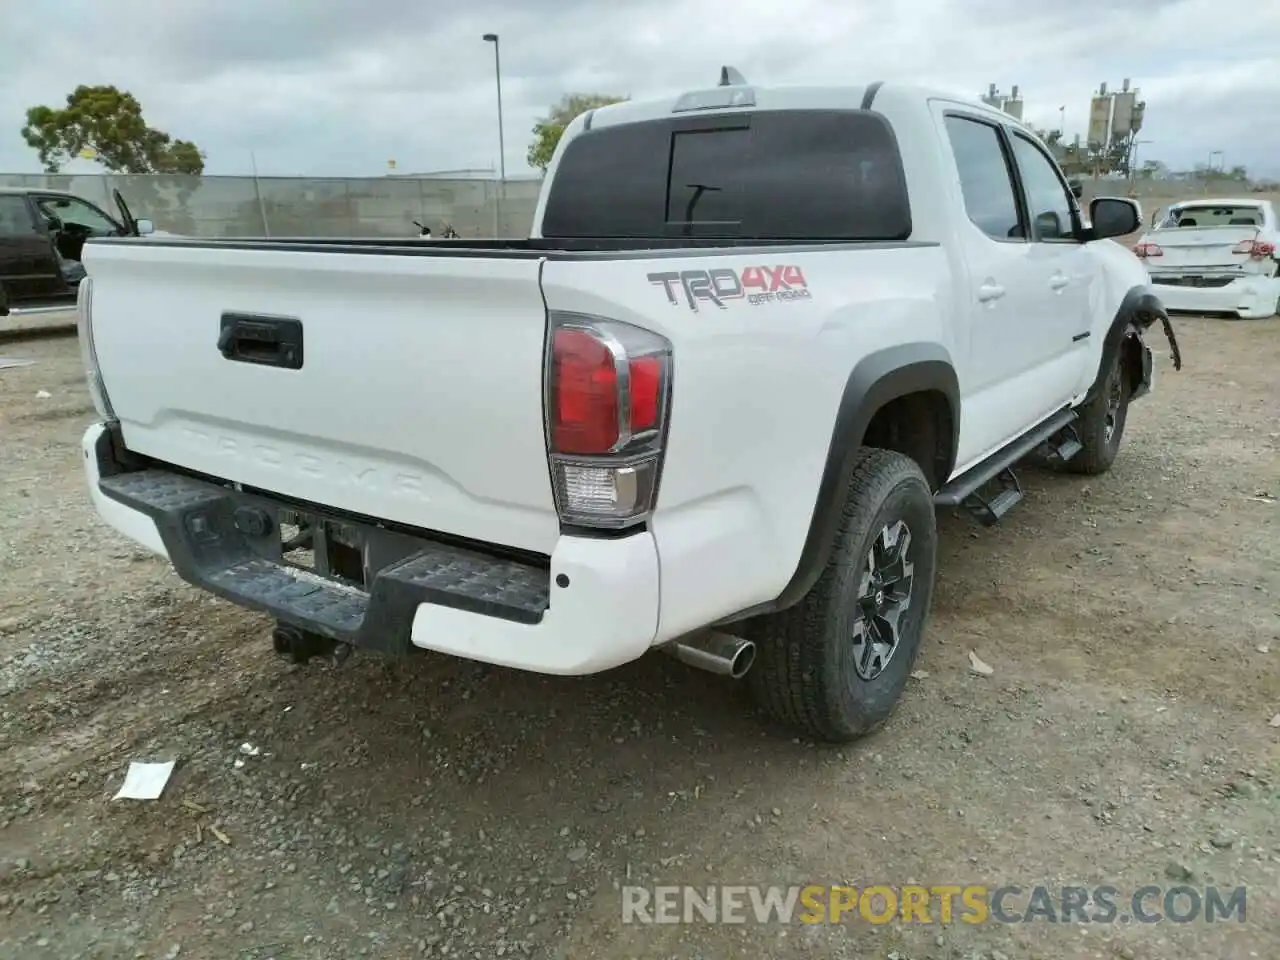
1203, 171
548, 130
109, 122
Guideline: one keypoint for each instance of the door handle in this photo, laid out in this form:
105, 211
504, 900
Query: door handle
269, 341
990, 291
1058, 281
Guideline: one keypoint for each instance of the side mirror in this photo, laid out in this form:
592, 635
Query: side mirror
53, 223
1114, 217
144, 227
1077, 188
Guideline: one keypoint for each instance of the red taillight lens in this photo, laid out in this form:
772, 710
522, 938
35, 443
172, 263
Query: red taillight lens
646, 393
1144, 250
607, 394
1256, 249
584, 394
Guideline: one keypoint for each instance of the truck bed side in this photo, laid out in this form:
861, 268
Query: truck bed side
759, 380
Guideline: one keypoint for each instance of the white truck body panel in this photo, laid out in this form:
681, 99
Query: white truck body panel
730, 528
417, 400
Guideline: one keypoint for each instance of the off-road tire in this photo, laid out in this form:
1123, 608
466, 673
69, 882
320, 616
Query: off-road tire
1100, 449
804, 674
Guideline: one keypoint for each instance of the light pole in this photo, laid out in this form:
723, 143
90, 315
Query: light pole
497, 70
1062, 122
1208, 174
1133, 161
502, 147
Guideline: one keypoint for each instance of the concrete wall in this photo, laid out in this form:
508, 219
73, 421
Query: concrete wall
288, 206
387, 206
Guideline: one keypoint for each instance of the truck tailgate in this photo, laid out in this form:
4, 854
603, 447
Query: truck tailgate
418, 399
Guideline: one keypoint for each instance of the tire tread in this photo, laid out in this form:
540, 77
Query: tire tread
791, 678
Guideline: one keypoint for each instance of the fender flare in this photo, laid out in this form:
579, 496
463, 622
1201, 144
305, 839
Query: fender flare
877, 379
1138, 311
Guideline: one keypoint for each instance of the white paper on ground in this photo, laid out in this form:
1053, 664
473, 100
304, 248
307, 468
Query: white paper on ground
7, 363
144, 781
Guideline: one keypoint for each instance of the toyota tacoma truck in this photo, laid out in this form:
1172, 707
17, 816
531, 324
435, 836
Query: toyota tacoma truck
756, 339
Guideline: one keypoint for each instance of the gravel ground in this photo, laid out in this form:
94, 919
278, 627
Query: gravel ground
433, 807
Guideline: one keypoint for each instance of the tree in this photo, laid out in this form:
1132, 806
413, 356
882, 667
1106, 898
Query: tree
109, 122
1153, 170
548, 130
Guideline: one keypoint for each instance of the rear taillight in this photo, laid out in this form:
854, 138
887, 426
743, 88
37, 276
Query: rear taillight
89, 351
608, 393
1144, 250
1255, 249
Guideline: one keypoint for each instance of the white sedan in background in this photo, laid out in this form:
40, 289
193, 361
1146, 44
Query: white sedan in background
1215, 256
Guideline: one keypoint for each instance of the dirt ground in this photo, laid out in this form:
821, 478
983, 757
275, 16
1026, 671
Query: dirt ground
434, 807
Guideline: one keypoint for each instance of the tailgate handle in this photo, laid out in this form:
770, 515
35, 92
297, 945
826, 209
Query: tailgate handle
255, 338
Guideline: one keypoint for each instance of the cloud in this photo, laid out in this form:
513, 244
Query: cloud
343, 86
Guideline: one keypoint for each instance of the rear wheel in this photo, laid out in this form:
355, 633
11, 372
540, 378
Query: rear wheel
1102, 420
835, 664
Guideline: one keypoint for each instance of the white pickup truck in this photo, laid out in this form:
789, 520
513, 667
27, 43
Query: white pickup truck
756, 338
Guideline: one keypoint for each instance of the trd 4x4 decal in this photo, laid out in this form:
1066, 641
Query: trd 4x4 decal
756, 285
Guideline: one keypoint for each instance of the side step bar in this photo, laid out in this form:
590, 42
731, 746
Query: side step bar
1056, 436
1062, 446
988, 510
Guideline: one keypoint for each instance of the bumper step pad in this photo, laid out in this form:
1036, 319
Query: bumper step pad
197, 522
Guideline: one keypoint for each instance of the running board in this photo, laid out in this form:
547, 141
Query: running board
988, 510
1062, 446
960, 489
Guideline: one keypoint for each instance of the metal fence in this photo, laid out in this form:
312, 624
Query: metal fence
387, 206
1168, 189
294, 206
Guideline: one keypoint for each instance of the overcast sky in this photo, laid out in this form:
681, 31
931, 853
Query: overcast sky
315, 87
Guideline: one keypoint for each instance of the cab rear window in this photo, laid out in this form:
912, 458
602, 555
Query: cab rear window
797, 175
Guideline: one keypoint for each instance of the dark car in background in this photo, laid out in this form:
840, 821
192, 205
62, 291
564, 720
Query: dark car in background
41, 235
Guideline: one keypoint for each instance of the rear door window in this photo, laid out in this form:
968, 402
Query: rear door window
986, 179
15, 217
795, 175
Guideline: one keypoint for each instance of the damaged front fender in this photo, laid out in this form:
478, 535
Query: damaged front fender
1138, 313
1151, 310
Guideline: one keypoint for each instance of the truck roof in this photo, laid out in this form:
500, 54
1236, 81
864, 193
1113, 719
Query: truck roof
842, 97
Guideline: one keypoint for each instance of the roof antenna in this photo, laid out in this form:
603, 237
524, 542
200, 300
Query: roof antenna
731, 77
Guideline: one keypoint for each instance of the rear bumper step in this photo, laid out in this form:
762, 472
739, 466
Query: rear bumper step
228, 543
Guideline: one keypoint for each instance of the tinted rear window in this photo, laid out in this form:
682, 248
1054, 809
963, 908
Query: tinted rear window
1207, 215
773, 175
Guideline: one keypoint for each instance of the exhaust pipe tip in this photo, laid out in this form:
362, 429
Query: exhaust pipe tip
717, 653
742, 660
